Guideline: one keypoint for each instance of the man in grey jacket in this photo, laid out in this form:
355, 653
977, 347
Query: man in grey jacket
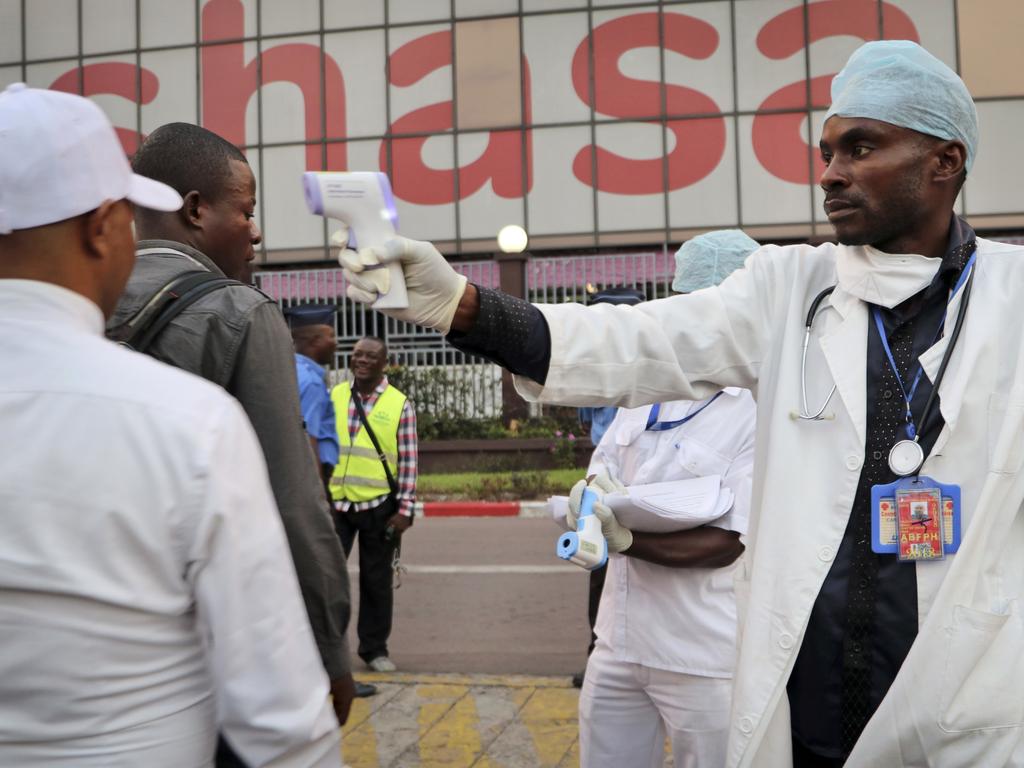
236, 337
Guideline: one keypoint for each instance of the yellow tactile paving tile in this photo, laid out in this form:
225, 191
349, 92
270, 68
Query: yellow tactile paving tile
455, 678
550, 715
360, 742
463, 721
448, 728
572, 757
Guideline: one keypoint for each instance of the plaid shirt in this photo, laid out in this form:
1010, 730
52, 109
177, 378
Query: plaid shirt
406, 453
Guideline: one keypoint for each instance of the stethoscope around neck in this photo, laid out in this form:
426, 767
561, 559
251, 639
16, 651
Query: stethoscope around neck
805, 414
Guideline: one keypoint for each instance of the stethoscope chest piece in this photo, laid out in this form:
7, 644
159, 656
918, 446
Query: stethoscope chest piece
906, 457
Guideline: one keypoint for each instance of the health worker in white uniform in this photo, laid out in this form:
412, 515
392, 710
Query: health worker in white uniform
880, 598
666, 626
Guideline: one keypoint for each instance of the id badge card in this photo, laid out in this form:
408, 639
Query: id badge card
898, 526
919, 524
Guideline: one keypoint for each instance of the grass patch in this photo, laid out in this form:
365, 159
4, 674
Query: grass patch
524, 485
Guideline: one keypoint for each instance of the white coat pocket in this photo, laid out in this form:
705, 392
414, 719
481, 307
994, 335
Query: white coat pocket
983, 675
1006, 432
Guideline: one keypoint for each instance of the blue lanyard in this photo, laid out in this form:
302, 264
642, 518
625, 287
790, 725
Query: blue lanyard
653, 425
909, 396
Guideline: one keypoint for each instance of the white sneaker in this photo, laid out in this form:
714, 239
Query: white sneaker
381, 664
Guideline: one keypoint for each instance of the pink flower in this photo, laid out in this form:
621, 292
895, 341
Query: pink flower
572, 436
558, 433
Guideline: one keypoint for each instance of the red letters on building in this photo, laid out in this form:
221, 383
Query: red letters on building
115, 78
778, 140
699, 144
501, 163
229, 82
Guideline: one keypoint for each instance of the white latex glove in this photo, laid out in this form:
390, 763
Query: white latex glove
603, 483
434, 288
617, 535
575, 498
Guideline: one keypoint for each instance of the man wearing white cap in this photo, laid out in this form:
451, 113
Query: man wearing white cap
666, 627
880, 601
147, 597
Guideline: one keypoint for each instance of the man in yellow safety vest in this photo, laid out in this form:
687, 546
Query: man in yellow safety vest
373, 487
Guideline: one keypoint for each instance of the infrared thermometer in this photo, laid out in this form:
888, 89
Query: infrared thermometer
363, 201
585, 546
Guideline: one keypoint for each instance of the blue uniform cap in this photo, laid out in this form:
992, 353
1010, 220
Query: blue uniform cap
708, 259
309, 314
900, 83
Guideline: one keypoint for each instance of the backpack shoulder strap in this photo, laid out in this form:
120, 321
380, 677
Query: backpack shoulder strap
140, 330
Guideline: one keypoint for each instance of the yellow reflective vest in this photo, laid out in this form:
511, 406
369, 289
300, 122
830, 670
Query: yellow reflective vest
359, 474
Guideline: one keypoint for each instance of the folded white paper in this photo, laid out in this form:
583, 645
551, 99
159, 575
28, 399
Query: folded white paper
676, 505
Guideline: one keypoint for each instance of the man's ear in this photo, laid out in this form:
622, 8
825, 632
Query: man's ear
193, 209
951, 159
100, 236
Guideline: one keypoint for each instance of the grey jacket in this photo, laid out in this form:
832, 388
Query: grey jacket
237, 338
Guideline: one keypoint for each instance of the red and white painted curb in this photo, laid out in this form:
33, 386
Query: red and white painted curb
482, 509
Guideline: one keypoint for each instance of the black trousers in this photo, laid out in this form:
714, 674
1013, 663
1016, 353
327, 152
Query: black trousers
376, 596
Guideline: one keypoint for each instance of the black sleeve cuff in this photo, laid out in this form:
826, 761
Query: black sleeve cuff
510, 332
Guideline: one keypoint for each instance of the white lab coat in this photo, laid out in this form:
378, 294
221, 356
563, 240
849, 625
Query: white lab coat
957, 700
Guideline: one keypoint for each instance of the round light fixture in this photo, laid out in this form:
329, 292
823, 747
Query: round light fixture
512, 239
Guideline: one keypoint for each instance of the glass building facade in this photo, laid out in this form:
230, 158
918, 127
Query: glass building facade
594, 125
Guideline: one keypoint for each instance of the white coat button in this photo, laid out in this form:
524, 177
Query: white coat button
825, 554
853, 462
746, 724
785, 641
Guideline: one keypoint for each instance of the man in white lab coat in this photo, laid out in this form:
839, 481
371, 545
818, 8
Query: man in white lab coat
846, 656
147, 595
666, 627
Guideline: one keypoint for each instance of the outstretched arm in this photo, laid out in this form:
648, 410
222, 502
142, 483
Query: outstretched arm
501, 328
684, 346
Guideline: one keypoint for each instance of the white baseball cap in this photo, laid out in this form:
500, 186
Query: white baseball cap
60, 158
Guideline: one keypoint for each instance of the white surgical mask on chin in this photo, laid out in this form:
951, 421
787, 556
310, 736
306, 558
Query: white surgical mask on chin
885, 279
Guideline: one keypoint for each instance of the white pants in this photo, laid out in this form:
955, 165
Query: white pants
627, 709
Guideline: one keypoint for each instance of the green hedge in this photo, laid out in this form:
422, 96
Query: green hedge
432, 389
530, 485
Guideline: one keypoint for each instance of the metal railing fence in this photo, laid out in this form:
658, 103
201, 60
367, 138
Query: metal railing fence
450, 382
550, 280
471, 387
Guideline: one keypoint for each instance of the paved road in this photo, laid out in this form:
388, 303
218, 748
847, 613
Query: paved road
487, 595
488, 605
488, 627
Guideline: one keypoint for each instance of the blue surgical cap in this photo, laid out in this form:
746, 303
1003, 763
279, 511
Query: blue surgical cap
899, 82
708, 259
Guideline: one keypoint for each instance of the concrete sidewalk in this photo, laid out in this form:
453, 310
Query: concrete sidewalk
463, 721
